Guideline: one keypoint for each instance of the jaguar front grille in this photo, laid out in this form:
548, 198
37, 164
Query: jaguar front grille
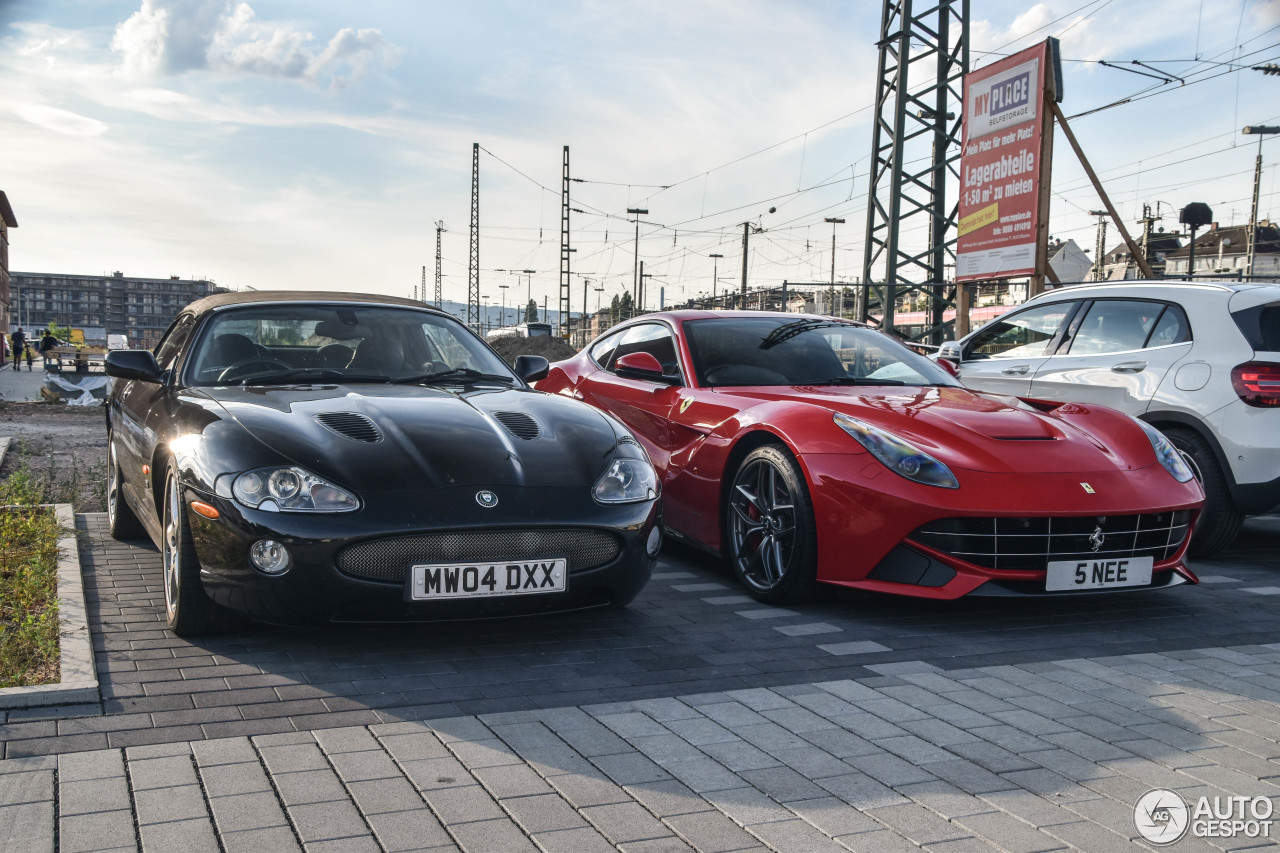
388, 559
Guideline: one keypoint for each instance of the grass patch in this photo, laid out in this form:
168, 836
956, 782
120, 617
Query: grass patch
28, 583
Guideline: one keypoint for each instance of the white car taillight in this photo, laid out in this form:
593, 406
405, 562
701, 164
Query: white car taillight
1257, 383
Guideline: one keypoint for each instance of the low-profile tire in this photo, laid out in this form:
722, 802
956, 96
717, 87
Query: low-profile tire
770, 542
122, 522
189, 611
1220, 521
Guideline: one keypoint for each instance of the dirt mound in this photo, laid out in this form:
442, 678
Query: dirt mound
550, 348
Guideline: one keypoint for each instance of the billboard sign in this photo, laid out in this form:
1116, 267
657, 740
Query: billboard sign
1000, 166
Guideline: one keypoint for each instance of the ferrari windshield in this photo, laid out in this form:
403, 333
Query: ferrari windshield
340, 342
809, 351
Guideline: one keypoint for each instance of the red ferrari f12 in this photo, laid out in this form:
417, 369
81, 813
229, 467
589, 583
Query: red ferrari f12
809, 450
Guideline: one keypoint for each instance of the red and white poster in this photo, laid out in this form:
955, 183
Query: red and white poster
1000, 166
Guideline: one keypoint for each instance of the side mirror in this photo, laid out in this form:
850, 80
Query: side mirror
531, 368
639, 365
949, 366
950, 350
133, 364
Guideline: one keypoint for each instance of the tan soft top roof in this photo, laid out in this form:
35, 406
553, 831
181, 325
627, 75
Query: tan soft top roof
221, 300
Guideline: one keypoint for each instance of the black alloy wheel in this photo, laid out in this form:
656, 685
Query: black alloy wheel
188, 610
1220, 521
769, 536
121, 520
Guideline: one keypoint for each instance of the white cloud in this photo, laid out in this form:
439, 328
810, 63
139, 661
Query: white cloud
169, 37
1080, 34
1267, 13
60, 121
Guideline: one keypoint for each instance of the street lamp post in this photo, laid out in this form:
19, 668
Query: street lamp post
585, 282
529, 286
747, 230
1262, 131
832, 292
502, 315
635, 264
715, 271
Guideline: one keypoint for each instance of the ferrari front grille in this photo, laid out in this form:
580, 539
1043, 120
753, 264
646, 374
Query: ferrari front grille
1028, 544
389, 559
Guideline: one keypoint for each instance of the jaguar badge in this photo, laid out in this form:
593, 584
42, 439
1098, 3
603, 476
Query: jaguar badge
486, 499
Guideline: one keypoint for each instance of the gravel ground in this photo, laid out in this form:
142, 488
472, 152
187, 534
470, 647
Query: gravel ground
67, 445
550, 348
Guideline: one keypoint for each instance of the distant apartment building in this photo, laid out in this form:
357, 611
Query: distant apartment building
1119, 264
6, 222
101, 305
1225, 251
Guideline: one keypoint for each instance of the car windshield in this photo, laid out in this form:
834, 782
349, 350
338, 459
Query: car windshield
276, 343
813, 351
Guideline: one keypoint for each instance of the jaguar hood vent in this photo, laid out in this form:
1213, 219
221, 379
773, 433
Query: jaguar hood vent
519, 424
351, 425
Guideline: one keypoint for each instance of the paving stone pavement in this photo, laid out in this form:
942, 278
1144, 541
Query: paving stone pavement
906, 726
1038, 757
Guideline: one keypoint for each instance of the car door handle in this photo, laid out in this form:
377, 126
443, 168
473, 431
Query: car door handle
1129, 367
1016, 370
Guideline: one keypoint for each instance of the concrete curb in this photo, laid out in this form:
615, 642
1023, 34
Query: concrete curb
79, 677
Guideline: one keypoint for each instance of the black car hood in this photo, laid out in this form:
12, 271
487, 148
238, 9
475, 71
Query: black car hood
426, 437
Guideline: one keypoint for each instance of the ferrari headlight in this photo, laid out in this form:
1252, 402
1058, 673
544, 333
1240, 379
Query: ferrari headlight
288, 488
1166, 453
629, 478
899, 456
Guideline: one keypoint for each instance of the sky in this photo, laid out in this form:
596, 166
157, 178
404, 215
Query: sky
316, 144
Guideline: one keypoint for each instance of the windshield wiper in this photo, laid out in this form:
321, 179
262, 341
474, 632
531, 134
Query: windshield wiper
850, 380
466, 374
312, 374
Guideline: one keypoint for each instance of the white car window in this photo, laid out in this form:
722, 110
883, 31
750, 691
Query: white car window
1115, 325
1025, 334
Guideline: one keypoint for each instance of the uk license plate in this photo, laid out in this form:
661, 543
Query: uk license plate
480, 580
1098, 573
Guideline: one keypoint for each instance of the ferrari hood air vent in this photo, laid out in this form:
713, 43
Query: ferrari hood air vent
351, 425
519, 424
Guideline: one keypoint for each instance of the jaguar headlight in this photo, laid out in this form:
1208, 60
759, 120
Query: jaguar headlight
898, 455
288, 488
1168, 456
629, 476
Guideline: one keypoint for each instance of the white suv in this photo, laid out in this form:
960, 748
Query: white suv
1199, 361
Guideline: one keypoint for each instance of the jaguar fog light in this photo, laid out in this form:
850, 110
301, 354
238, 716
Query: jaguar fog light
654, 543
269, 557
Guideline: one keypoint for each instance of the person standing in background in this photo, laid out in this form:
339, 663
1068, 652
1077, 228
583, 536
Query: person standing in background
19, 339
47, 343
